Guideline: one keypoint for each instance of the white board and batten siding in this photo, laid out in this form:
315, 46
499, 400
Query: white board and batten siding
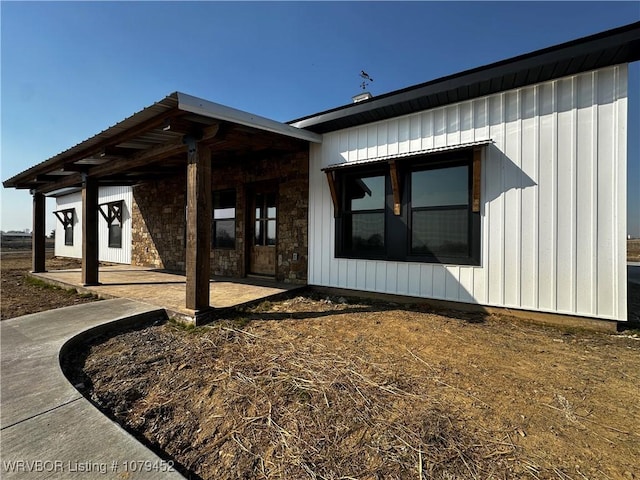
553, 199
105, 253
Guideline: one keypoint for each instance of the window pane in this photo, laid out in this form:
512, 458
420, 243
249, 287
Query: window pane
367, 231
271, 232
441, 186
224, 234
224, 213
365, 193
440, 233
115, 235
68, 235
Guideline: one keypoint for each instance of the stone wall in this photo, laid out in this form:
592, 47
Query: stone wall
158, 224
158, 217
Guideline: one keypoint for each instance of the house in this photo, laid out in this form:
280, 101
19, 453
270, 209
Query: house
501, 186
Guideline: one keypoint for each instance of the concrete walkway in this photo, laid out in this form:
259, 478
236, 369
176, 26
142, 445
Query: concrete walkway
48, 429
166, 290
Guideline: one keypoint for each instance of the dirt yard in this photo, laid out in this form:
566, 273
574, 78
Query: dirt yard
316, 387
22, 295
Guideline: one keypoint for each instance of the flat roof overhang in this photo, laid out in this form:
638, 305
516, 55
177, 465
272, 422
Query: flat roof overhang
151, 144
612, 47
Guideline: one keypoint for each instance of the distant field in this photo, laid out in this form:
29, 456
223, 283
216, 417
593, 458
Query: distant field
633, 250
22, 243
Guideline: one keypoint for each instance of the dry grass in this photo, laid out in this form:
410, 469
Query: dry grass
320, 389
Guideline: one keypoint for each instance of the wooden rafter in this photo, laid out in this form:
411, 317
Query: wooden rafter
395, 185
476, 184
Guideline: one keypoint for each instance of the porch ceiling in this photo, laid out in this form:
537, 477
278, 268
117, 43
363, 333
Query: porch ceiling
150, 144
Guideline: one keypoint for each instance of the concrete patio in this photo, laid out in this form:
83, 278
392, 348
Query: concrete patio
166, 290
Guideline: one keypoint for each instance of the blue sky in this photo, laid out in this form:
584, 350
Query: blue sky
71, 69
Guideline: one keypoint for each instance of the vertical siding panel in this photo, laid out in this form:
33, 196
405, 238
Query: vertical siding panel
439, 281
427, 130
362, 143
381, 276
403, 278
453, 125
439, 128
606, 195
620, 168
392, 133
383, 141
566, 202
584, 195
414, 279
391, 284
511, 165
403, 135
466, 116
529, 233
452, 282
465, 293
372, 141
426, 280
361, 274
415, 139
343, 269
480, 124
352, 273
495, 223
546, 198
370, 281
352, 148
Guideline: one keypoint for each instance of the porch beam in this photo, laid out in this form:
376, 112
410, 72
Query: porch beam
199, 210
90, 232
38, 234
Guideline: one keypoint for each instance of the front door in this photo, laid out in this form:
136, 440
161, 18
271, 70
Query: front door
262, 255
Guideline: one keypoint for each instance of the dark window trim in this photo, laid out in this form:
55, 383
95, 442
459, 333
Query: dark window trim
397, 245
67, 218
114, 212
214, 221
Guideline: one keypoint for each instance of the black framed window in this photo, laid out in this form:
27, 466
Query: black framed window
363, 217
67, 219
112, 213
436, 223
224, 219
440, 212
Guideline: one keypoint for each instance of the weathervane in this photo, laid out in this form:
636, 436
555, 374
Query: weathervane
366, 79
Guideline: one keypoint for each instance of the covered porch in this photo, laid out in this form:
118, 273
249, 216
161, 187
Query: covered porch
174, 153
167, 290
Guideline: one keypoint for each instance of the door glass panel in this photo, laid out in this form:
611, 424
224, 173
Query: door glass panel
271, 232
258, 233
271, 205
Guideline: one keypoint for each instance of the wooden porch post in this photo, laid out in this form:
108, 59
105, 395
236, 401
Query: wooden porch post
38, 234
90, 231
198, 224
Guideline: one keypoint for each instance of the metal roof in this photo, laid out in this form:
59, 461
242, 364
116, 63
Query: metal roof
612, 47
400, 156
147, 130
